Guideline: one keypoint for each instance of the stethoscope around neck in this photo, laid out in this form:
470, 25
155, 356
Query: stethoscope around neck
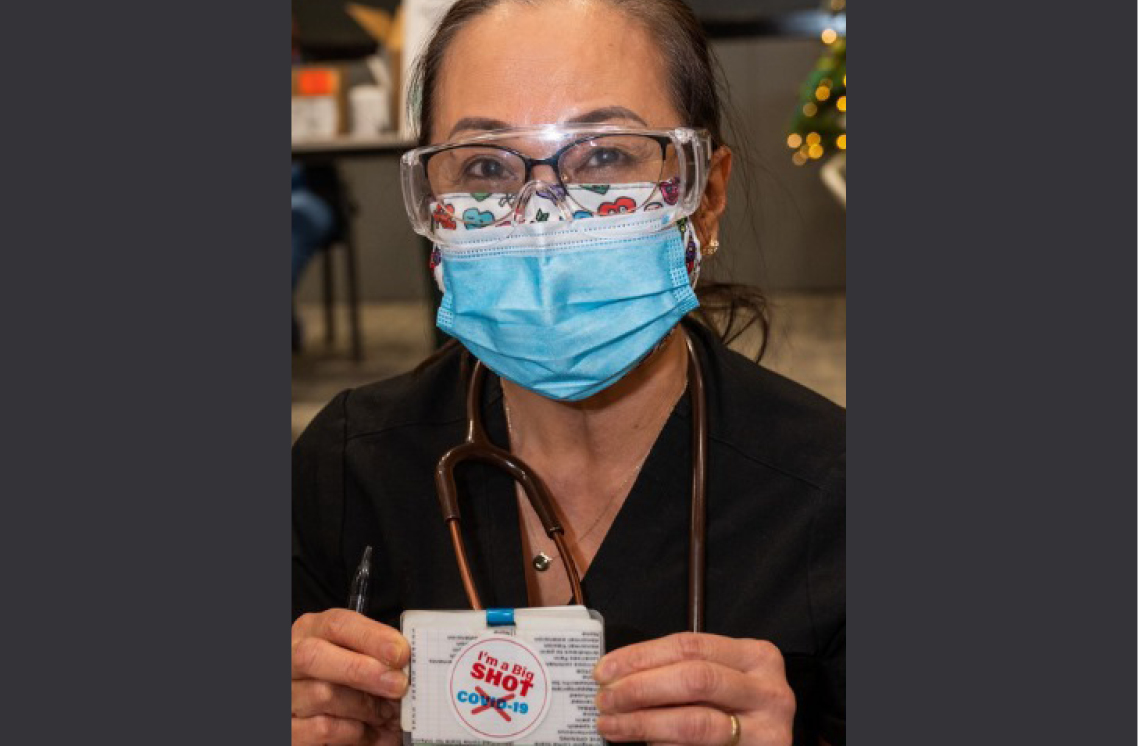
477, 447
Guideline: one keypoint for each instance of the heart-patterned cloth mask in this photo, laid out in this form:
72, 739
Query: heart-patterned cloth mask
546, 202
457, 214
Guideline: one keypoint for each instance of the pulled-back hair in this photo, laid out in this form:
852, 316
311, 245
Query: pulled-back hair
697, 91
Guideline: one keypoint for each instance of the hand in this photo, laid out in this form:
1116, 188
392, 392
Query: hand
346, 680
682, 689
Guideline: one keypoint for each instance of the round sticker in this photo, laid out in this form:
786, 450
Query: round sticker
499, 688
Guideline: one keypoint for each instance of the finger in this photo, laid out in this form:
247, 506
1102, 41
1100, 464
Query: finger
389, 710
697, 726
316, 658
311, 697
686, 683
386, 735
357, 632
742, 655
327, 729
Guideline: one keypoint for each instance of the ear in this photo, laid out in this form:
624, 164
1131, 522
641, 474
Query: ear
714, 200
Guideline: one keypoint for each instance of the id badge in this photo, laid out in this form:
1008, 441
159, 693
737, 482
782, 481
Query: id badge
522, 676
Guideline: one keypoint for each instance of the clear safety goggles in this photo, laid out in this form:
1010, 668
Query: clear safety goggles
584, 175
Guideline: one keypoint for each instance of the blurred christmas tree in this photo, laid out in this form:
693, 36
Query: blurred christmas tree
819, 124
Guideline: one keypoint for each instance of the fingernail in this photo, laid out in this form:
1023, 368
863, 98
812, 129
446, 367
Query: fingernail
394, 681
606, 724
602, 671
604, 699
392, 654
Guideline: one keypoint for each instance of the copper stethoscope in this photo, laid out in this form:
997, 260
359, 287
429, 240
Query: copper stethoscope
477, 447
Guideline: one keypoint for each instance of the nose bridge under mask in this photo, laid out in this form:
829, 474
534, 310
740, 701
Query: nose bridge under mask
539, 201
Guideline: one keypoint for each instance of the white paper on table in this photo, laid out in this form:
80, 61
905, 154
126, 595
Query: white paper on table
314, 117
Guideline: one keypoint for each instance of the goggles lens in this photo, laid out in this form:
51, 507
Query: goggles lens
533, 176
611, 159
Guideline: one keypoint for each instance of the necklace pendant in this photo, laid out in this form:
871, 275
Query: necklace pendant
542, 561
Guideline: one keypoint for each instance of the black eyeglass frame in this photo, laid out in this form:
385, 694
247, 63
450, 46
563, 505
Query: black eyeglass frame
553, 161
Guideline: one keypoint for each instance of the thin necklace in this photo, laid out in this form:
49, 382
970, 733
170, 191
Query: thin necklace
542, 561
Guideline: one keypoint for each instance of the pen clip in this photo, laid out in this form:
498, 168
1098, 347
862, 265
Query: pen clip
357, 595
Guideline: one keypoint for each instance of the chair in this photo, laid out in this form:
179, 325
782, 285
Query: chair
326, 183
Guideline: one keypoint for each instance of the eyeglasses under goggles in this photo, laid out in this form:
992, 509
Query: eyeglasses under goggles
584, 175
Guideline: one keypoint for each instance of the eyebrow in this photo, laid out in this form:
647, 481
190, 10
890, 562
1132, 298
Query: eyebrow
477, 123
596, 116
604, 114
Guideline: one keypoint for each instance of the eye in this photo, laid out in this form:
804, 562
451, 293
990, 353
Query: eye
485, 167
611, 160
474, 169
605, 158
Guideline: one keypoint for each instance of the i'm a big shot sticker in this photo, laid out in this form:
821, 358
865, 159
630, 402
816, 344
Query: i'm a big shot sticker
499, 689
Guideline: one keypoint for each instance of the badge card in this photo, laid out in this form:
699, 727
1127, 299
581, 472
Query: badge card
519, 676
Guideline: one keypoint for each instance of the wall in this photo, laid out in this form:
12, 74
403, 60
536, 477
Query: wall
791, 233
792, 238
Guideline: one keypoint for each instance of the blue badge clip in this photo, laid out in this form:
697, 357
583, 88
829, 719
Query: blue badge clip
499, 617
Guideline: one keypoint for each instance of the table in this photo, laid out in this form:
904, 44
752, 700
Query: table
349, 146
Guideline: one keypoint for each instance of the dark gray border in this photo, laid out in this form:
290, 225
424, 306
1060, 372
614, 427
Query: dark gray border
992, 375
146, 372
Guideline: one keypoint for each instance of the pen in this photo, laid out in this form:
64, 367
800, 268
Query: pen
357, 596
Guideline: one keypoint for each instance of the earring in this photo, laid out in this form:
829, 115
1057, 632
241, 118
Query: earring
711, 248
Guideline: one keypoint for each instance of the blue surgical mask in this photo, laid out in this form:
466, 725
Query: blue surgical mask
562, 312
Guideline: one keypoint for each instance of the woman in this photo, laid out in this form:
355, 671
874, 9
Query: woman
524, 97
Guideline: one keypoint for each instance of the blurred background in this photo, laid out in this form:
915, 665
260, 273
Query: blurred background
363, 298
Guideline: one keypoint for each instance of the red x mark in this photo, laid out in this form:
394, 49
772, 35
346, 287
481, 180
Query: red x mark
490, 704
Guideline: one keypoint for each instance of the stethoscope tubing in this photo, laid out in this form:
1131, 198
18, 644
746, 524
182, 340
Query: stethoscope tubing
477, 447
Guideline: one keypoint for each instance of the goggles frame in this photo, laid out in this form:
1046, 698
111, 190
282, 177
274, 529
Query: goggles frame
692, 147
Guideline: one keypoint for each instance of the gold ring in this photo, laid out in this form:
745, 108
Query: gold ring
736, 730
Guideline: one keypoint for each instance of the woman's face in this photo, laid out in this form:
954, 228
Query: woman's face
556, 62
568, 61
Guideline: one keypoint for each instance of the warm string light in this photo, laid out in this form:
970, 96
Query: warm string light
813, 145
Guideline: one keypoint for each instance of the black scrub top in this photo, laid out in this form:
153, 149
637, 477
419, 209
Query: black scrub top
363, 474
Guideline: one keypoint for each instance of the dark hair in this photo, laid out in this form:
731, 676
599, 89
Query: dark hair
694, 78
